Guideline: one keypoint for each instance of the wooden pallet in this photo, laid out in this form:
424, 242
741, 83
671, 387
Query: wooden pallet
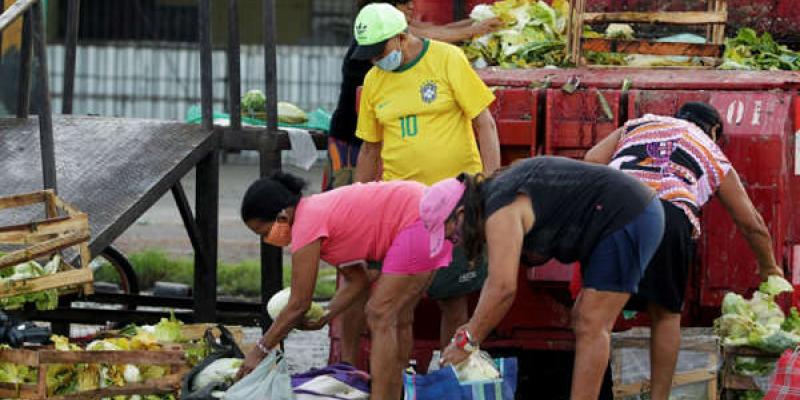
731, 381
43, 359
63, 228
715, 18
696, 340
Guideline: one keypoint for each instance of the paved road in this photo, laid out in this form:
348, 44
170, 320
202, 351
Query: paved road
161, 227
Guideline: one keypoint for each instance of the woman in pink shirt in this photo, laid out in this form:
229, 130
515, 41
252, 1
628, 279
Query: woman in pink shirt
349, 227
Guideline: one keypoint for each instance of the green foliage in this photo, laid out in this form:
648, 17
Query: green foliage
233, 279
748, 51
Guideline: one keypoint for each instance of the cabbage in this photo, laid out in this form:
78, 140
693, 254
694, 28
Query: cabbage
44, 300
478, 366
759, 322
775, 285
482, 12
289, 113
533, 35
219, 371
279, 301
619, 31
254, 101
132, 374
168, 330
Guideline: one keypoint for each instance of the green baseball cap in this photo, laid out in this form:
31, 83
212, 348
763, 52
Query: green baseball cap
374, 26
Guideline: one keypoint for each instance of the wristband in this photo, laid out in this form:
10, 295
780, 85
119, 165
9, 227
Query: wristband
261, 347
464, 341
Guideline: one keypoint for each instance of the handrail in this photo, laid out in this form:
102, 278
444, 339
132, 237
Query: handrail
15, 11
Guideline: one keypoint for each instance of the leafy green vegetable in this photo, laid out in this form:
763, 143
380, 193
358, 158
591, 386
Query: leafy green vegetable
168, 330
775, 285
534, 35
751, 395
44, 300
759, 322
753, 366
748, 51
792, 322
254, 101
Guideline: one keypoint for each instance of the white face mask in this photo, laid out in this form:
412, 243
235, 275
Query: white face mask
391, 62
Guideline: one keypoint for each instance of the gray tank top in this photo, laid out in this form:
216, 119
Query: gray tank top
576, 205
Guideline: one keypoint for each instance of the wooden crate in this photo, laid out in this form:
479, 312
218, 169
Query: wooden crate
731, 380
715, 19
634, 345
43, 359
64, 227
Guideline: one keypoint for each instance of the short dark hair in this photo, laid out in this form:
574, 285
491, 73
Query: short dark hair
267, 197
702, 115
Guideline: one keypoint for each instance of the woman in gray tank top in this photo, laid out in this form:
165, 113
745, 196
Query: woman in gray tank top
551, 208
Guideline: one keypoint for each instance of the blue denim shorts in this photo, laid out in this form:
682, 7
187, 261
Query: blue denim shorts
619, 261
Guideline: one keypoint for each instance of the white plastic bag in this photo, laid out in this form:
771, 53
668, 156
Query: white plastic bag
269, 381
479, 366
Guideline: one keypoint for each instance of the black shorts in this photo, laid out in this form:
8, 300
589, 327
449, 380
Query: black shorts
664, 281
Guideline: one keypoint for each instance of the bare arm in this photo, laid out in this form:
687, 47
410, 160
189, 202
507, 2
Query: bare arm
455, 33
750, 223
368, 158
486, 130
355, 282
462, 23
602, 152
305, 266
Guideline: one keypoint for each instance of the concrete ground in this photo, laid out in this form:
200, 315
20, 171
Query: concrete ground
161, 228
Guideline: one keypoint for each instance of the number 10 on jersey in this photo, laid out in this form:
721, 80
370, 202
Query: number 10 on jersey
408, 126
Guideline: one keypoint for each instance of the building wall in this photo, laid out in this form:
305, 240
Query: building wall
131, 80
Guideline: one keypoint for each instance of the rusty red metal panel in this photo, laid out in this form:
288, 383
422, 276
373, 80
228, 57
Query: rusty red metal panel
536, 307
435, 11
515, 112
644, 78
661, 102
757, 127
576, 122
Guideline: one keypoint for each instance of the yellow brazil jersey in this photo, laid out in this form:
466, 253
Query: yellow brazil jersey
423, 114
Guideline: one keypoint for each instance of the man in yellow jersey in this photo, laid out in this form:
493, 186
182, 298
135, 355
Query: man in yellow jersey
421, 107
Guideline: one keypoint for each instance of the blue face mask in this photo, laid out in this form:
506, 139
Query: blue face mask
391, 62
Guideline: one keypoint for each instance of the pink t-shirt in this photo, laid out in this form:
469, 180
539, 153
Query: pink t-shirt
356, 222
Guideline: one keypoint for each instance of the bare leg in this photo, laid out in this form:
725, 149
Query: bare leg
391, 297
455, 313
665, 343
594, 315
352, 323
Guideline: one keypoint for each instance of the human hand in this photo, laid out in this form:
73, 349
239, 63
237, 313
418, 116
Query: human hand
313, 324
773, 269
488, 26
251, 361
453, 355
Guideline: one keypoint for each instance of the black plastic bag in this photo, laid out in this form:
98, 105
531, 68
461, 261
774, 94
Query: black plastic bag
226, 348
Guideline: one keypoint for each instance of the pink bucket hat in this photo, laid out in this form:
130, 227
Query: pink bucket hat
437, 204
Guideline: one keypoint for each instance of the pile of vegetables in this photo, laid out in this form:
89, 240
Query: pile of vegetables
63, 379
759, 322
748, 51
534, 34
254, 102
44, 300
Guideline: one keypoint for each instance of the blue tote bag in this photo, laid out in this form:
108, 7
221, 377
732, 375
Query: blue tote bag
444, 385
